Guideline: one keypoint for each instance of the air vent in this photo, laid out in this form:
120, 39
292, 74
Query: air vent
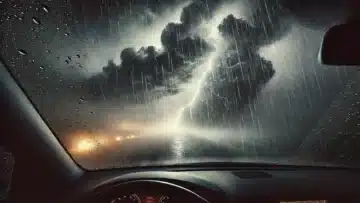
251, 174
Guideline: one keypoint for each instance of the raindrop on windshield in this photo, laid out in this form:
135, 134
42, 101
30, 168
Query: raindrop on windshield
1, 2
36, 21
81, 100
67, 34
78, 55
22, 52
67, 61
45, 8
42, 67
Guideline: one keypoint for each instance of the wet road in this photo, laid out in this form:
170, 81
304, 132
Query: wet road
205, 146
140, 151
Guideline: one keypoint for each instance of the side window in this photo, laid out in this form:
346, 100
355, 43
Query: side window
6, 169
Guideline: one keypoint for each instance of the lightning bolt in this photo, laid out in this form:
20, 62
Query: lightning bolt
198, 84
210, 62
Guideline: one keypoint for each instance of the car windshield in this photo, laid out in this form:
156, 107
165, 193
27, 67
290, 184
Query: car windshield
147, 82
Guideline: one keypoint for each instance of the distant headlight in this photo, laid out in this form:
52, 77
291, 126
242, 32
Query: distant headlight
85, 145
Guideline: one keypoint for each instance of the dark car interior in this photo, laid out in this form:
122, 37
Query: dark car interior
44, 171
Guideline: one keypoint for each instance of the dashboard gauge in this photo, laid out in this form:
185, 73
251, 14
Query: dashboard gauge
164, 199
134, 198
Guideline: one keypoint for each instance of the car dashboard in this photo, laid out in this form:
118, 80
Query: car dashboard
214, 186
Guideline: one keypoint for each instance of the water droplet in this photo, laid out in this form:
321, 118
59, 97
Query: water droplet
36, 21
67, 34
57, 29
42, 67
45, 8
67, 61
91, 112
57, 57
78, 55
48, 51
69, 57
22, 52
1, 2
21, 18
81, 100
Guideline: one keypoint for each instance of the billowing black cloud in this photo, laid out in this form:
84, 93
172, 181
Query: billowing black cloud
241, 72
270, 22
239, 30
180, 36
197, 11
176, 37
145, 68
139, 71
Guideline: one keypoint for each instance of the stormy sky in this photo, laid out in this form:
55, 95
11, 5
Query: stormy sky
247, 66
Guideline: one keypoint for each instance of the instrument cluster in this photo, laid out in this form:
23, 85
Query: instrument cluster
144, 191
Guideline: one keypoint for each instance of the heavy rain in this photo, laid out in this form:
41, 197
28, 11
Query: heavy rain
128, 83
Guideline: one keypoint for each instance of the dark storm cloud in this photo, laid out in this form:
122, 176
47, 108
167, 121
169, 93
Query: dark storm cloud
271, 21
241, 72
197, 11
144, 69
139, 71
180, 36
176, 37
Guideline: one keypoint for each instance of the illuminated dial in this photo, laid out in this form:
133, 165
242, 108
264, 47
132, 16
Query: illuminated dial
164, 199
134, 198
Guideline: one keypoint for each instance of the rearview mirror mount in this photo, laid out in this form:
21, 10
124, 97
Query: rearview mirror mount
341, 45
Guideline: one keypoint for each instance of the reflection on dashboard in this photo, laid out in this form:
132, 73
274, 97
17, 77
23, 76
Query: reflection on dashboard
164, 199
136, 198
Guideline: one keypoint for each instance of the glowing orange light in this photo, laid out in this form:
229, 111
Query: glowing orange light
85, 145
